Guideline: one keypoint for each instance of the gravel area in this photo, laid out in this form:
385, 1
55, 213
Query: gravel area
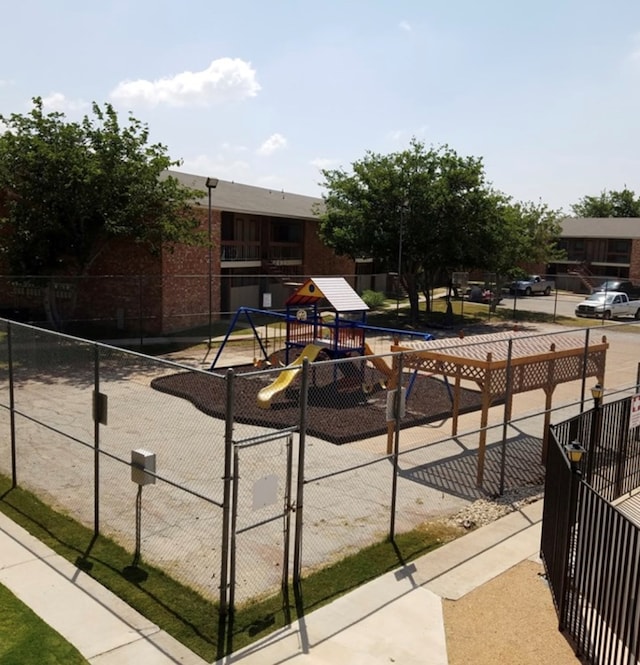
484, 511
510, 619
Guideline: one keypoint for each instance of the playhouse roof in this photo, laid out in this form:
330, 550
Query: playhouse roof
336, 290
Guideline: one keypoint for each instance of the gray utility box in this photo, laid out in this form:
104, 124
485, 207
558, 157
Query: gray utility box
143, 462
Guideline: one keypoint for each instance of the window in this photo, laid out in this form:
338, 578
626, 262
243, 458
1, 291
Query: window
619, 251
286, 231
239, 228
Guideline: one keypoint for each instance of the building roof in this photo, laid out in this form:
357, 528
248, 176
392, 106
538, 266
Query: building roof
601, 227
234, 197
336, 290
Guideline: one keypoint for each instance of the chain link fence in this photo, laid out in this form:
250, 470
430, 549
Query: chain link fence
263, 476
136, 308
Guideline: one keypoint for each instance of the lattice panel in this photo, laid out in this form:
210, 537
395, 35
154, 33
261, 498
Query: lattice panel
543, 373
443, 367
546, 373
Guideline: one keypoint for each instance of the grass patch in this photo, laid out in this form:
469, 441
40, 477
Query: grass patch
182, 612
25, 639
465, 313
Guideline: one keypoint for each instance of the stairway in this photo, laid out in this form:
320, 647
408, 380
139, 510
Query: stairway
281, 274
582, 271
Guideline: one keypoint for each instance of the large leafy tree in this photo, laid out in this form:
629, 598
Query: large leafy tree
70, 187
428, 211
421, 211
623, 203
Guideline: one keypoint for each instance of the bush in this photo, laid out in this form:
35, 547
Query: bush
373, 299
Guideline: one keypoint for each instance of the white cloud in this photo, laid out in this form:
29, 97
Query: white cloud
234, 148
272, 144
225, 80
323, 162
56, 101
405, 25
217, 166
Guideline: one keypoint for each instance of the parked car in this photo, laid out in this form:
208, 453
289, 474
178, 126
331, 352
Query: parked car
532, 284
623, 285
478, 294
608, 305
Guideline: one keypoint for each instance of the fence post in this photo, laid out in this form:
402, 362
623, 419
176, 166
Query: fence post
226, 496
12, 407
585, 359
507, 416
567, 576
302, 435
96, 440
396, 448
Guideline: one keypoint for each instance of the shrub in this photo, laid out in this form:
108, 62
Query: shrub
373, 299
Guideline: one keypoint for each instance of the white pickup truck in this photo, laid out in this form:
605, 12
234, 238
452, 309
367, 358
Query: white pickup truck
608, 305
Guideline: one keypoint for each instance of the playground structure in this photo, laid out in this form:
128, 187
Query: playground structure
339, 331
286, 377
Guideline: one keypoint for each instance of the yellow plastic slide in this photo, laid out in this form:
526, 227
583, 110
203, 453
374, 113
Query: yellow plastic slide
287, 375
378, 363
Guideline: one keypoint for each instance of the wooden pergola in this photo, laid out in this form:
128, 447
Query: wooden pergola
503, 364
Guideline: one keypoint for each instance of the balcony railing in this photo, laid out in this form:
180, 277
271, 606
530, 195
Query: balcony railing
252, 251
240, 251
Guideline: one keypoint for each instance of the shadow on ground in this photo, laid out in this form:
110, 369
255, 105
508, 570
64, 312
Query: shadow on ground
456, 475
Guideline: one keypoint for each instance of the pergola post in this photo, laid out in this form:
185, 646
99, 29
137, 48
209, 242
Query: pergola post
484, 419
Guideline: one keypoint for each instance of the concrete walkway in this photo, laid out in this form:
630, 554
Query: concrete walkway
395, 618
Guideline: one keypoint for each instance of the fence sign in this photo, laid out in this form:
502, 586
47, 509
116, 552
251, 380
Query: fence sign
634, 418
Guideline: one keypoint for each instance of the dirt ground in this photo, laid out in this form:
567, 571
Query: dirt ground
510, 620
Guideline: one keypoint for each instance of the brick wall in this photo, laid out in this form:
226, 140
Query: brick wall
320, 259
634, 266
185, 293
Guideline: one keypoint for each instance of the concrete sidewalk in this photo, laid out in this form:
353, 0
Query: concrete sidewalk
395, 618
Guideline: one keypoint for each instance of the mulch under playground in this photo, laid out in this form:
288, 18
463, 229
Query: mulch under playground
346, 403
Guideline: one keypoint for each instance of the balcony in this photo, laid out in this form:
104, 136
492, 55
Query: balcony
238, 251
279, 253
285, 253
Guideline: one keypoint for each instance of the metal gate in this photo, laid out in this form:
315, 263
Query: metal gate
261, 508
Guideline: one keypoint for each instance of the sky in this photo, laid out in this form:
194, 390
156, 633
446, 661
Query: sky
547, 92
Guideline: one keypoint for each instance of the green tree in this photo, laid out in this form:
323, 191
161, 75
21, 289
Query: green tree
70, 187
421, 211
518, 234
623, 203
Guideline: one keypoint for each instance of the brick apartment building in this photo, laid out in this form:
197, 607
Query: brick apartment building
598, 248
263, 241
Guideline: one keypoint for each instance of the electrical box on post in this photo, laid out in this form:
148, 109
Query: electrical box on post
393, 406
143, 467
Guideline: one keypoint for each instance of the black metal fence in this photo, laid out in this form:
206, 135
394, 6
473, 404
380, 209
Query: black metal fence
590, 547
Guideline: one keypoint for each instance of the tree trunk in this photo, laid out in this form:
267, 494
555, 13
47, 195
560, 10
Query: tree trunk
51, 306
410, 284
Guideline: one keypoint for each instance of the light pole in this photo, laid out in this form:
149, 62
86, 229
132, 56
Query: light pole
596, 392
212, 183
403, 207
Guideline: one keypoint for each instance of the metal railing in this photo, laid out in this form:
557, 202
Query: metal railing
590, 549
